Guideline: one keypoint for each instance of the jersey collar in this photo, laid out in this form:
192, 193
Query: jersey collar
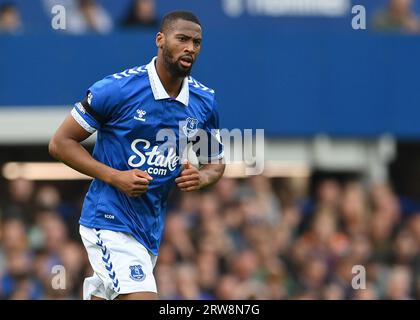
159, 91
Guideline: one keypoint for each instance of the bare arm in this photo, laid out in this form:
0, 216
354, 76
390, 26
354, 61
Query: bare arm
65, 146
192, 178
211, 173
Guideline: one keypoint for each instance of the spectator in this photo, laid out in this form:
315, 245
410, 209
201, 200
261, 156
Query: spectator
314, 275
10, 19
187, 283
55, 234
227, 288
226, 190
327, 196
95, 17
47, 198
208, 272
142, 13
14, 237
20, 199
353, 210
399, 284
369, 293
265, 199
176, 234
398, 16
83, 16
405, 249
17, 283
333, 292
165, 278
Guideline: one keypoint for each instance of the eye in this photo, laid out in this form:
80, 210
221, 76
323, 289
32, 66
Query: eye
182, 39
197, 43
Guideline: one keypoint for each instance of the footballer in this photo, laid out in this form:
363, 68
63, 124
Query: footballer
133, 169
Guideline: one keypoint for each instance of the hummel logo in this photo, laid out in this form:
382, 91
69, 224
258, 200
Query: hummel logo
81, 108
89, 98
141, 114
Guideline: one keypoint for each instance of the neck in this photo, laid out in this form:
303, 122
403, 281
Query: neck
171, 84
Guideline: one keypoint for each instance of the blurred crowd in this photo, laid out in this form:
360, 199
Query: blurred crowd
83, 16
254, 238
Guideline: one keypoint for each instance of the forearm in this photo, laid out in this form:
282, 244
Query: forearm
210, 174
74, 155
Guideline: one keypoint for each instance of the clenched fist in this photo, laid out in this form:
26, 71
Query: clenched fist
189, 179
132, 182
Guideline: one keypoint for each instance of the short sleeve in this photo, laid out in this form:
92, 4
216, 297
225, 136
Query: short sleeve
214, 149
97, 108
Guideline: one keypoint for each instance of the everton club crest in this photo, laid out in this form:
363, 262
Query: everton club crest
136, 273
191, 127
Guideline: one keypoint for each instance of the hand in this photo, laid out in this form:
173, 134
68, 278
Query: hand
189, 179
132, 182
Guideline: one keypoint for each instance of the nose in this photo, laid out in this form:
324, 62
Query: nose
190, 47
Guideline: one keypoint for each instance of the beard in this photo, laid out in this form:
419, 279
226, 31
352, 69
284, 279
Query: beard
174, 67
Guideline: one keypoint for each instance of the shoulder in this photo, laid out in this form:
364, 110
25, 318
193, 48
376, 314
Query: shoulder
202, 92
200, 89
130, 74
123, 78
119, 82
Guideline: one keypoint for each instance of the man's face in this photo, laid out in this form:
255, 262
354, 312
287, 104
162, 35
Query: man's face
180, 46
10, 19
401, 6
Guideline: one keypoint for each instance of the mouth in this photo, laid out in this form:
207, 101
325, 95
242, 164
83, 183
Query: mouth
186, 61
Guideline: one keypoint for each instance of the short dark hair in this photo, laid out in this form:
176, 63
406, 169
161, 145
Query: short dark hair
171, 17
7, 6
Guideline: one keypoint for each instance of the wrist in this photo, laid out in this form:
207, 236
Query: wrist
110, 176
203, 180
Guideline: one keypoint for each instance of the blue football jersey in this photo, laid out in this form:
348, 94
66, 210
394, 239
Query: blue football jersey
129, 110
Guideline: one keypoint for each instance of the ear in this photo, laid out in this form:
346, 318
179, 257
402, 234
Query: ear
160, 40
